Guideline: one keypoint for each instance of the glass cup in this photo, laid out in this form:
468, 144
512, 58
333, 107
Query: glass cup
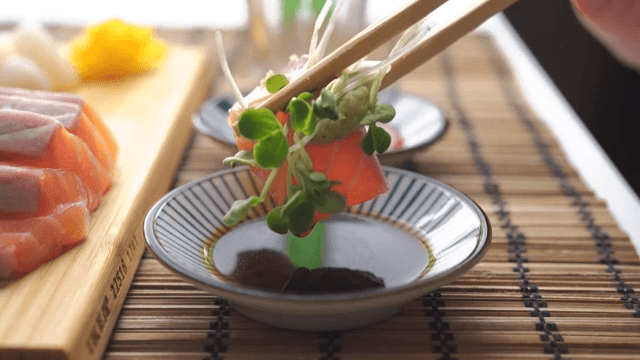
281, 28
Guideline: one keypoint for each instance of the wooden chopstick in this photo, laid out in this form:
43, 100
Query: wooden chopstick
374, 36
331, 66
444, 35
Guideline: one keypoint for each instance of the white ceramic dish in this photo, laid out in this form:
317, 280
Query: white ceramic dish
420, 235
419, 122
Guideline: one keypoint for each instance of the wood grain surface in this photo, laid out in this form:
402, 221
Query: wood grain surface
67, 308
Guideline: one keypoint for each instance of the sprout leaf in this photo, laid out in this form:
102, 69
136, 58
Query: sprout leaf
276, 82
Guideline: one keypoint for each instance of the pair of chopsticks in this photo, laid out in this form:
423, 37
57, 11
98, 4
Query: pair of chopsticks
438, 39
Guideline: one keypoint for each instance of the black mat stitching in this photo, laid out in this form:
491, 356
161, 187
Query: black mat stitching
602, 241
329, 345
217, 342
515, 238
443, 341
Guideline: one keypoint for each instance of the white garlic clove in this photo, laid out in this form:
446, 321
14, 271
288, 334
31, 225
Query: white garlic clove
21, 72
6, 45
35, 43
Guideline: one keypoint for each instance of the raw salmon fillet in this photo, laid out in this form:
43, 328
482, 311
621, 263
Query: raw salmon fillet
43, 213
71, 116
57, 160
88, 119
360, 175
34, 140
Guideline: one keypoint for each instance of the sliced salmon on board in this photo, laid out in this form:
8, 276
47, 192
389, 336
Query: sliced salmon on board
43, 213
70, 115
87, 112
29, 192
27, 244
360, 175
96, 120
29, 139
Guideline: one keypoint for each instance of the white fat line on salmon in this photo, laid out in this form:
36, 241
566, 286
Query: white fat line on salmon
227, 72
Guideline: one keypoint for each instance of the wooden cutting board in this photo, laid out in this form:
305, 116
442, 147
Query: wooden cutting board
66, 309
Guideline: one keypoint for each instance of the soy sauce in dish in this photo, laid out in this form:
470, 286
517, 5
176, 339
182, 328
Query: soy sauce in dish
272, 270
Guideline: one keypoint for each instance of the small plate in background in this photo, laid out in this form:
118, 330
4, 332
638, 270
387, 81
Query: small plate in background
418, 121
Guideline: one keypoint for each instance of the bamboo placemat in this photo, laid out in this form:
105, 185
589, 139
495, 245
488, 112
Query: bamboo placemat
559, 281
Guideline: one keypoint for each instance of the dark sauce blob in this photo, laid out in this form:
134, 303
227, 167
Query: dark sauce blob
330, 280
272, 270
264, 268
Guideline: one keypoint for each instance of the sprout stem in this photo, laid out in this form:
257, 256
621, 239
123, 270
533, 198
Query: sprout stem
316, 29
227, 72
289, 174
319, 53
305, 140
268, 183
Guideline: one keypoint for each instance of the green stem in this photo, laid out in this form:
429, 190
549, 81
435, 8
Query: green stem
268, 183
375, 86
307, 251
305, 140
289, 174
301, 143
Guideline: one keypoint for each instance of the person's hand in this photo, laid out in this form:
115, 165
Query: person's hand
616, 24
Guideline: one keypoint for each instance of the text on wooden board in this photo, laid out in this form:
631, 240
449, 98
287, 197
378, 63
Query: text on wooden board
111, 296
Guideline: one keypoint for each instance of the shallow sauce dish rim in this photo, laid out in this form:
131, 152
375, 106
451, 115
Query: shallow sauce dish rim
230, 291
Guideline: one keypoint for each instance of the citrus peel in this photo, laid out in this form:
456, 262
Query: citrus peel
115, 49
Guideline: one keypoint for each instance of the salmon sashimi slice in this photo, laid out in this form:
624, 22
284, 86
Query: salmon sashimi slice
87, 112
29, 139
27, 244
93, 117
360, 175
70, 115
43, 213
28, 192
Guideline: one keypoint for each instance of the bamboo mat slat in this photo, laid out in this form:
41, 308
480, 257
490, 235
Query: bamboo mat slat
560, 280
